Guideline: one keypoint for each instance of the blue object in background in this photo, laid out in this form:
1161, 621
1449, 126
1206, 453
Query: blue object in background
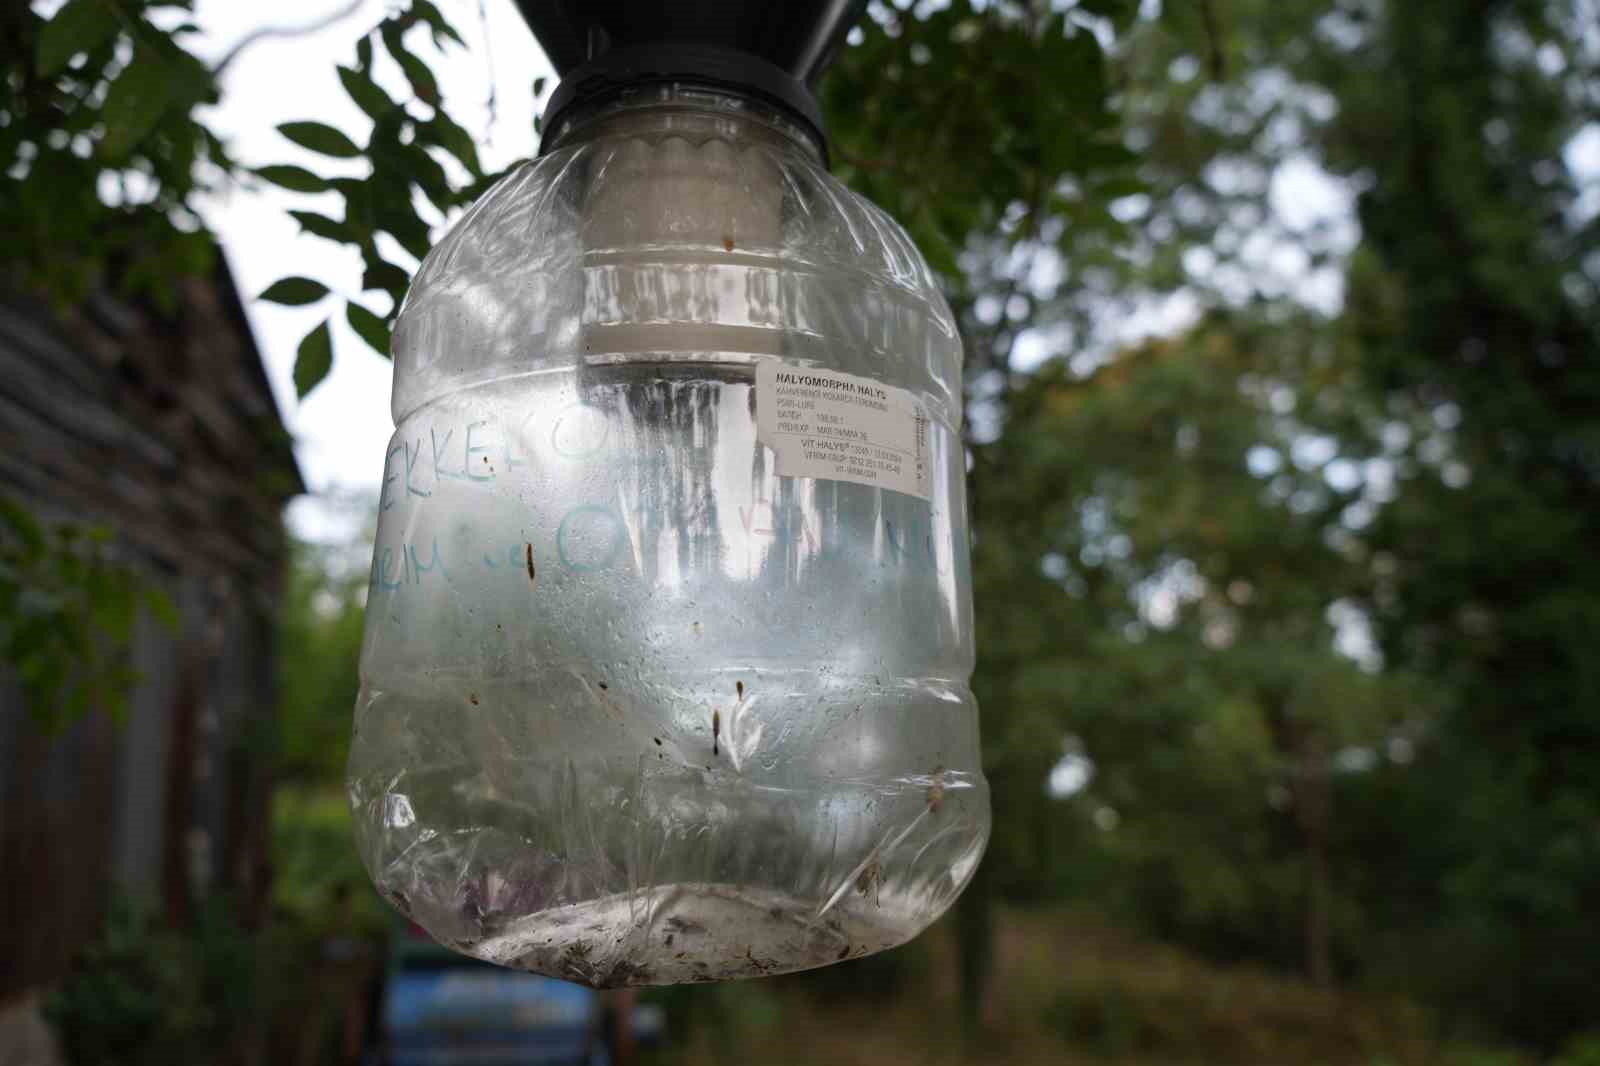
444, 1009
484, 1015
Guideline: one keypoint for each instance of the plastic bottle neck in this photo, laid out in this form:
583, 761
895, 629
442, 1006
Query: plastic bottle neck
684, 110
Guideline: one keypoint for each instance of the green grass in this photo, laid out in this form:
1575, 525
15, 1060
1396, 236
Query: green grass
1068, 990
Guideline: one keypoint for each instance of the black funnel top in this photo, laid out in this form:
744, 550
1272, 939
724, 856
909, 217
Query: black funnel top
774, 49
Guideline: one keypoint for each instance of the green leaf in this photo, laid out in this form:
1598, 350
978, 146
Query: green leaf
135, 103
359, 196
192, 82
442, 30
1119, 12
391, 168
365, 92
112, 604
369, 327
320, 138
294, 291
77, 705
396, 166
312, 360
323, 226
116, 704
293, 178
80, 26
538, 86
430, 177
162, 609
1117, 187
382, 274
443, 131
364, 53
24, 525
416, 71
404, 225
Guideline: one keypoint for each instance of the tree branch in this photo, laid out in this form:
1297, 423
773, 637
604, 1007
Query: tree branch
863, 164
1219, 62
261, 34
488, 61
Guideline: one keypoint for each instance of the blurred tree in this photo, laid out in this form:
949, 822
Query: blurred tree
1475, 300
68, 607
319, 648
102, 149
319, 634
1472, 310
1164, 579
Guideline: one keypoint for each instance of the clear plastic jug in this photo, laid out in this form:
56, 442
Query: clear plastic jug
667, 644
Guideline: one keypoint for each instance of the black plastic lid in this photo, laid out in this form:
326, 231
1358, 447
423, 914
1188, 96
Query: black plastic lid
771, 49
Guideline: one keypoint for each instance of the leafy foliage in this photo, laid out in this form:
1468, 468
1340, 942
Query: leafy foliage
294, 291
107, 151
413, 147
1473, 300
1458, 536
67, 612
150, 991
320, 886
1012, 179
368, 326
1136, 598
145, 994
1020, 92
319, 640
102, 148
321, 138
313, 358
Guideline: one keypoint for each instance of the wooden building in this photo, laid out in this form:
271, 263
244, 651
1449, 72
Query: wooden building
161, 428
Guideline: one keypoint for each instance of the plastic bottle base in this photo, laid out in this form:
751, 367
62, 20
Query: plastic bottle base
681, 934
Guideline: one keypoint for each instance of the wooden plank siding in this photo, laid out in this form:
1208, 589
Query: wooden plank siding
162, 428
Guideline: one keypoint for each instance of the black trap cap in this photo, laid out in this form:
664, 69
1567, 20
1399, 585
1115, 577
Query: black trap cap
770, 49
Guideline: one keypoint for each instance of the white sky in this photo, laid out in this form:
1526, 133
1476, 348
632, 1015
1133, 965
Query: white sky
342, 428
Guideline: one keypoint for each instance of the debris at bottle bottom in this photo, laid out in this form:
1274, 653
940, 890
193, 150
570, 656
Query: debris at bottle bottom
680, 934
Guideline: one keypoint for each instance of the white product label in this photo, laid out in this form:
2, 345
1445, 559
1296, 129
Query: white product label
825, 424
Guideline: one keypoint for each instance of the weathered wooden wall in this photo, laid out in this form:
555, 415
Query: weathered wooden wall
161, 428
